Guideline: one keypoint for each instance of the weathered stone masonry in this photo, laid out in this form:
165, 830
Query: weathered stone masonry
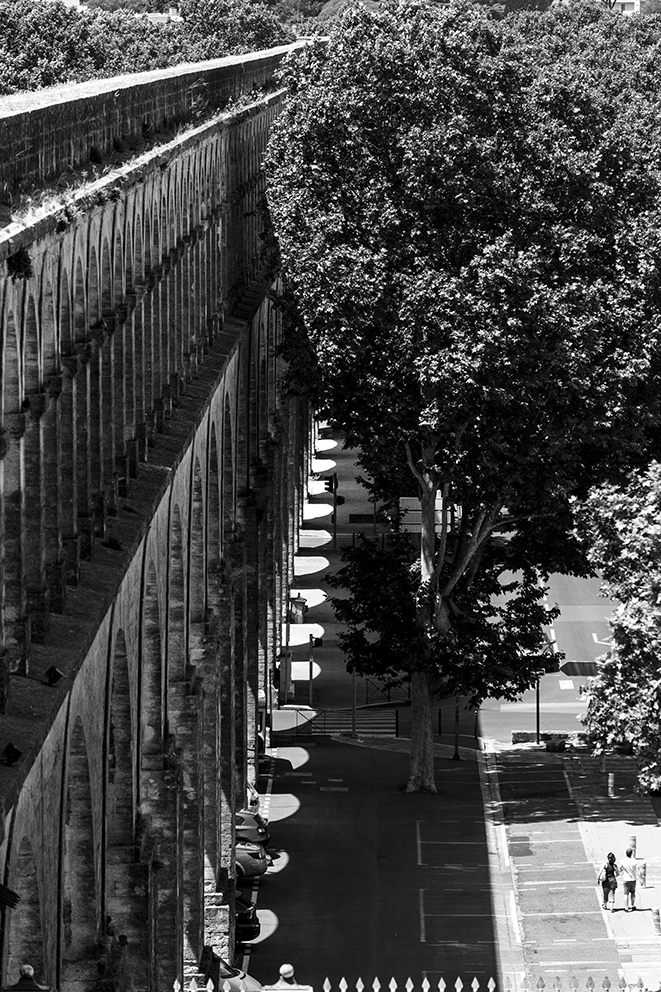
149, 484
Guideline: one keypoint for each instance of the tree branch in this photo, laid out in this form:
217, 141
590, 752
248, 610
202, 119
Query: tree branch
411, 464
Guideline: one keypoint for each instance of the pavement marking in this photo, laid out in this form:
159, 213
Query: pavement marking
421, 907
418, 841
572, 912
514, 918
566, 683
599, 965
447, 843
333, 788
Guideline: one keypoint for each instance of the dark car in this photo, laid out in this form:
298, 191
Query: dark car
247, 925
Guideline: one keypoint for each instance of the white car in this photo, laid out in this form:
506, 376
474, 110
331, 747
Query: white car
251, 860
219, 971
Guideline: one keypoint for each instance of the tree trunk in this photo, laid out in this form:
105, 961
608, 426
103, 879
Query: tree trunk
421, 757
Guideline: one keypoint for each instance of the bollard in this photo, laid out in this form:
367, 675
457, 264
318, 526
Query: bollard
642, 874
656, 917
611, 785
632, 844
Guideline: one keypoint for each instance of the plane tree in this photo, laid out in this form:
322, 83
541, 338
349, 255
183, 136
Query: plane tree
469, 228
621, 526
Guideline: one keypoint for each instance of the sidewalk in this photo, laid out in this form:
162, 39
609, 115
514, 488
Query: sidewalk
547, 924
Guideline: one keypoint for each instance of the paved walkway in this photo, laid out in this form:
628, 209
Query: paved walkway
550, 818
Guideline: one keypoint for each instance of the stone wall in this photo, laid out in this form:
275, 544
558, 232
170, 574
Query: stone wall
46, 133
150, 471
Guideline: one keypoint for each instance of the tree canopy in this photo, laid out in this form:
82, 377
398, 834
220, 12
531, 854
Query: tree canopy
468, 216
44, 43
622, 530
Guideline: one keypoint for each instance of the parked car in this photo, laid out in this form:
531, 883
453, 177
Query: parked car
252, 799
251, 860
251, 827
219, 971
246, 921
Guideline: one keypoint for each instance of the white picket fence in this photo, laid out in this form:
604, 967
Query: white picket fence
572, 985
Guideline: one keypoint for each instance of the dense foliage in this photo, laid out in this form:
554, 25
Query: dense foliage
43, 42
469, 213
622, 530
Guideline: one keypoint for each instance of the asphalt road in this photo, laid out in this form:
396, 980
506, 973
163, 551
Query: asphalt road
368, 881
581, 632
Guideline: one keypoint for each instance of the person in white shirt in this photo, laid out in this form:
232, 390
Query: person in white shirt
629, 872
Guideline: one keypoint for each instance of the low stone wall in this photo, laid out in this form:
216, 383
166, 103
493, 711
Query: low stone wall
48, 132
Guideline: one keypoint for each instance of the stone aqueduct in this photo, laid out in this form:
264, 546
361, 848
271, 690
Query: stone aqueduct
150, 485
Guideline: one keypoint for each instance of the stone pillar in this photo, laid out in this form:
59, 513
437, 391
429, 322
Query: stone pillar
37, 603
55, 568
68, 407
17, 625
83, 454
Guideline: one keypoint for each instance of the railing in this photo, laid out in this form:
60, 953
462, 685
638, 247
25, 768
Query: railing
390, 692
364, 721
573, 985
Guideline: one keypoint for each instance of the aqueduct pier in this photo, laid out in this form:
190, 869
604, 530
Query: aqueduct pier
150, 485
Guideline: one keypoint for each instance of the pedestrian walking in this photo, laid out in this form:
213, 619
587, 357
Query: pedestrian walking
629, 871
607, 878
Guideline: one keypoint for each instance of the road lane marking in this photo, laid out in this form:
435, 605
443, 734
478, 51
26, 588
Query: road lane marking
421, 908
418, 841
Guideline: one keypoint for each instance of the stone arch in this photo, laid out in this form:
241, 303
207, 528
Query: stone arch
228, 480
11, 369
106, 300
137, 265
25, 939
50, 349
126, 882
213, 516
120, 258
164, 226
93, 296
128, 259
196, 566
80, 915
151, 705
147, 241
31, 349
120, 774
79, 308
177, 603
65, 329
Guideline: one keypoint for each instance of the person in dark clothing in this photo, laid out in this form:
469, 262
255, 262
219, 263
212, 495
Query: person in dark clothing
608, 879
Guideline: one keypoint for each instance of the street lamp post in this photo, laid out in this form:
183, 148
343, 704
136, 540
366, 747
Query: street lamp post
537, 708
456, 756
310, 668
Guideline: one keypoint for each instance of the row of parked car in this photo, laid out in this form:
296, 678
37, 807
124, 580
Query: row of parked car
252, 860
